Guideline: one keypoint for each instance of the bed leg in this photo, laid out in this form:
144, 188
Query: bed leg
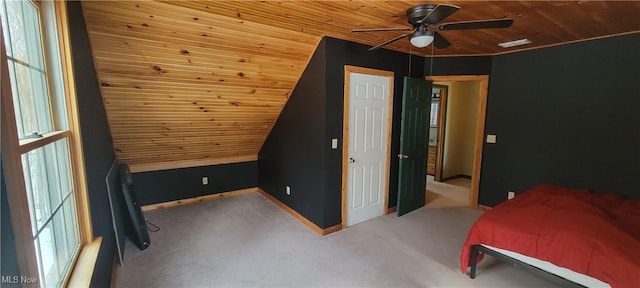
473, 261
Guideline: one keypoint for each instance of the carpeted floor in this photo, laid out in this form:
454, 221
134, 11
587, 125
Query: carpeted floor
247, 241
453, 193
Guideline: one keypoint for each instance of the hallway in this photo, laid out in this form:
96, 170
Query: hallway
452, 193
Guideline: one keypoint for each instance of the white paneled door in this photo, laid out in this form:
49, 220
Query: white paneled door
367, 146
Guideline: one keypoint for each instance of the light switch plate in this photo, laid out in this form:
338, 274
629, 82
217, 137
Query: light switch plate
491, 138
334, 143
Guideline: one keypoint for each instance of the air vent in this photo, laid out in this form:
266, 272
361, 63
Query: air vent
514, 43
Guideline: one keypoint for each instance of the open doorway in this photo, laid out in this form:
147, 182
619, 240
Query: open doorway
437, 123
458, 147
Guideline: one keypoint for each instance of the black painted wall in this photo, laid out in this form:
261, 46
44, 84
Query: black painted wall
9, 262
341, 53
465, 65
298, 152
293, 153
96, 142
566, 115
175, 184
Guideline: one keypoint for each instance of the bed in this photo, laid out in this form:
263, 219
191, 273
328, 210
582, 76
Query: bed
592, 235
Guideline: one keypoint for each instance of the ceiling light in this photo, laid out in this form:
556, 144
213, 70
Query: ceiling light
514, 43
421, 39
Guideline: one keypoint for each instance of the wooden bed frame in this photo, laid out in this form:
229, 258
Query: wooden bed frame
476, 249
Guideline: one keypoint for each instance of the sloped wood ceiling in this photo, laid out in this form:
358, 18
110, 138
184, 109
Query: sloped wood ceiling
190, 83
183, 87
543, 22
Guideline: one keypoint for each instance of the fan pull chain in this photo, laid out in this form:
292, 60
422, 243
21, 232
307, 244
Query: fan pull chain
409, 72
431, 63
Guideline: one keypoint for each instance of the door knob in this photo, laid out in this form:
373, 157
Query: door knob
351, 160
402, 156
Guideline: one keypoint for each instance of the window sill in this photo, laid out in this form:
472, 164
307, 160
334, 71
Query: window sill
83, 270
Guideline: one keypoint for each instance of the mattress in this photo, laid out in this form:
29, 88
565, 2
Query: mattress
584, 280
592, 234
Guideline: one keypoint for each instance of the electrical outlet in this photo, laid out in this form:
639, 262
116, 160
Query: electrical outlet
511, 194
205, 180
288, 190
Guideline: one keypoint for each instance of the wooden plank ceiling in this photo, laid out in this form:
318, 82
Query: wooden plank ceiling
188, 87
194, 83
542, 22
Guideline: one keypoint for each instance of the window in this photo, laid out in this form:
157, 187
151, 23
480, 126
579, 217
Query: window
435, 107
44, 176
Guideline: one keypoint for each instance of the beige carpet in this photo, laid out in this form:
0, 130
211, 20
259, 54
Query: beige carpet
453, 193
247, 241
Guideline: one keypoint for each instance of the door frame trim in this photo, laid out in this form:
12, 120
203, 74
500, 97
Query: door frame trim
480, 126
345, 134
442, 117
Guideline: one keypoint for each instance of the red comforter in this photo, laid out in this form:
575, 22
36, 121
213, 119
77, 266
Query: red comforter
593, 234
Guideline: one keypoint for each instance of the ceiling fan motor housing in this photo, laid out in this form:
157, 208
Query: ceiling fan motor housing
425, 20
415, 14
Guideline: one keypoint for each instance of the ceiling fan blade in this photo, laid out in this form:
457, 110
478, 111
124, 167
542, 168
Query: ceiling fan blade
382, 29
439, 13
482, 24
390, 41
439, 41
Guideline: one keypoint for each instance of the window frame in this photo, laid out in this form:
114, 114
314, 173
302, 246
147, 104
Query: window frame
13, 148
435, 101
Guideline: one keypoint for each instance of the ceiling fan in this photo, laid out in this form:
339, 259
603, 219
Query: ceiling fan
425, 19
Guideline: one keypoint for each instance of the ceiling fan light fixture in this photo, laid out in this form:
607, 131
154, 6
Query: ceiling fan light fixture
421, 39
426, 22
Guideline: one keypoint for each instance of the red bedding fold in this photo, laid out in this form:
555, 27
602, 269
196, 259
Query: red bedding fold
593, 234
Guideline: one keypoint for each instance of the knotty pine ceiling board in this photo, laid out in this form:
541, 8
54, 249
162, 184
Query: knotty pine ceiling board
198, 80
543, 22
183, 85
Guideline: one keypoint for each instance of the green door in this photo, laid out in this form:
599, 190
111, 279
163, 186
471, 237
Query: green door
414, 142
